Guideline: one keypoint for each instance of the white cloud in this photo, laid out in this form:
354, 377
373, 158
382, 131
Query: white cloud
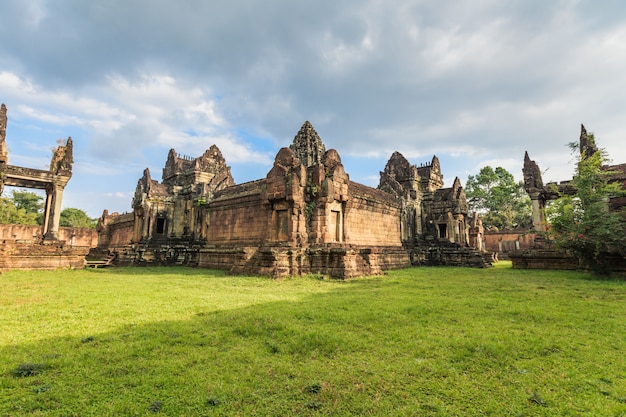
470, 81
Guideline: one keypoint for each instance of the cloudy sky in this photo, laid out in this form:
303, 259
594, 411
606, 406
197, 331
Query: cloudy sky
475, 82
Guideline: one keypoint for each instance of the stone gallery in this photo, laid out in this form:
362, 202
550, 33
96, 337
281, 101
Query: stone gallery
305, 216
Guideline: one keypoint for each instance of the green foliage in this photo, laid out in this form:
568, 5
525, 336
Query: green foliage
422, 341
28, 201
23, 207
26, 207
582, 223
73, 217
309, 209
501, 202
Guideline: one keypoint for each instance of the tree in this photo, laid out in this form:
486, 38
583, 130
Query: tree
501, 202
73, 217
583, 223
26, 207
27, 200
23, 207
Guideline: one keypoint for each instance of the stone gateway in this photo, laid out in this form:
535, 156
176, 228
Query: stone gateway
44, 247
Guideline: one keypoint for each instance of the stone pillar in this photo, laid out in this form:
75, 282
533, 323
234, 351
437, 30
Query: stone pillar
137, 224
4, 152
52, 216
533, 184
47, 209
539, 216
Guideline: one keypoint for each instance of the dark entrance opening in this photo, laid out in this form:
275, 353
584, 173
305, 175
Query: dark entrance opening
443, 230
160, 226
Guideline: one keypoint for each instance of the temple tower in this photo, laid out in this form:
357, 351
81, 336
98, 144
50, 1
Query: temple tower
308, 146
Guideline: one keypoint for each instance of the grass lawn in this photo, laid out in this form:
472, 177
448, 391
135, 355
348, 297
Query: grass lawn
417, 342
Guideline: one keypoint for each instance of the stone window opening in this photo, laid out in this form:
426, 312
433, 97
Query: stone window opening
443, 230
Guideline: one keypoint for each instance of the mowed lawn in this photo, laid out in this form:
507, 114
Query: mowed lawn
416, 342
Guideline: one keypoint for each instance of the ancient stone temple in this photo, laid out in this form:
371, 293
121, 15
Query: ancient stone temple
305, 216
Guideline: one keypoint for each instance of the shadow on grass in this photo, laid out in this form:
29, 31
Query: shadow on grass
260, 359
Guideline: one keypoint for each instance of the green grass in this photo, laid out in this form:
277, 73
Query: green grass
417, 342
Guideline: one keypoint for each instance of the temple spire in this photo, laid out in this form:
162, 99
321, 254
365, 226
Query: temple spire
587, 143
308, 146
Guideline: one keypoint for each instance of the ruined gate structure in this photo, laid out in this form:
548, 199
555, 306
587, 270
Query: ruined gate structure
52, 181
305, 216
49, 251
540, 194
541, 254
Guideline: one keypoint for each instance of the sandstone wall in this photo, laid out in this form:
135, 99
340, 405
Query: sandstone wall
73, 236
276, 260
20, 255
240, 216
371, 218
20, 232
505, 242
544, 258
119, 231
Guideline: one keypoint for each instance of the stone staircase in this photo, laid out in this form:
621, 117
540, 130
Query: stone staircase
95, 263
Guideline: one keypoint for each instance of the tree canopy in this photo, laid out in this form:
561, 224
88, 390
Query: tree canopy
73, 217
583, 222
499, 199
26, 207
22, 207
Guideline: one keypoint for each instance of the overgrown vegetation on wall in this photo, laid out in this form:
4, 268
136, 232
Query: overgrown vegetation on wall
583, 222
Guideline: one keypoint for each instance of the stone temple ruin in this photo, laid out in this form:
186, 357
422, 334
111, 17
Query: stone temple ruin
53, 181
540, 193
541, 255
45, 249
305, 216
